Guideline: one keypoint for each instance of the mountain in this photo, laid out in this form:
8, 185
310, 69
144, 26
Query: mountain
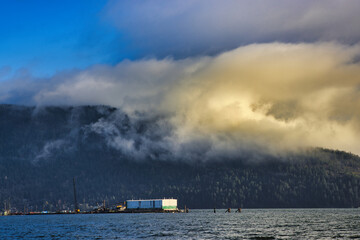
115, 157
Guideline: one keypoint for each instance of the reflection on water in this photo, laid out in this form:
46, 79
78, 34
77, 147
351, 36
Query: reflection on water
198, 224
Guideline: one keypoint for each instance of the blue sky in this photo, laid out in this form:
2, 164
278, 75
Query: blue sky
48, 36
45, 37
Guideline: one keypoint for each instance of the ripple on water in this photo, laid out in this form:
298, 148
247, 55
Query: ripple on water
199, 224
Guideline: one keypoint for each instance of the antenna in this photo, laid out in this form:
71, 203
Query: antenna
77, 210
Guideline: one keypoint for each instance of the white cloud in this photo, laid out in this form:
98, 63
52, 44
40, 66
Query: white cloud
268, 97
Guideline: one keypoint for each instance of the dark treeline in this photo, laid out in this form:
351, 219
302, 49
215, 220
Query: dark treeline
40, 153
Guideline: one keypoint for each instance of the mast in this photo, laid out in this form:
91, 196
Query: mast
75, 201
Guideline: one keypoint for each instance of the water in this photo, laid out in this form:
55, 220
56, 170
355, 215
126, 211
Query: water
198, 224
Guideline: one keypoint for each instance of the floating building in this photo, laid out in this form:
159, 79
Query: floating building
152, 205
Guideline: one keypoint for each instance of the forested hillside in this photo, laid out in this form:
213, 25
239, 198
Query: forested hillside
42, 149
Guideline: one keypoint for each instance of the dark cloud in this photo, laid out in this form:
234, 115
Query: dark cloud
183, 28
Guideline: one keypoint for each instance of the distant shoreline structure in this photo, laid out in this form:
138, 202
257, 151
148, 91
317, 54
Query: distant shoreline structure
166, 205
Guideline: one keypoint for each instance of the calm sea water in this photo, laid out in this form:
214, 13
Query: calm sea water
198, 224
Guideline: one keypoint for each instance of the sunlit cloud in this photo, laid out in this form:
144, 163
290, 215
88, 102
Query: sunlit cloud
270, 97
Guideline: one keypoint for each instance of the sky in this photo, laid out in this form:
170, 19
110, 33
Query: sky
267, 74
